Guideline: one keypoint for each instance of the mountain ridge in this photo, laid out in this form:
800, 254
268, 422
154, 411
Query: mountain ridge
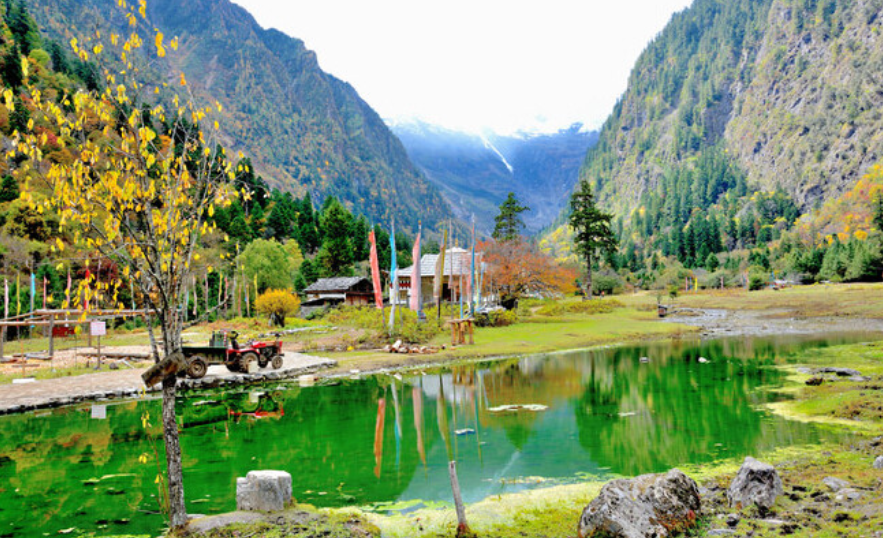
304, 129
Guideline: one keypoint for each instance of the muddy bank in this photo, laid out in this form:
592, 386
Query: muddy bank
716, 323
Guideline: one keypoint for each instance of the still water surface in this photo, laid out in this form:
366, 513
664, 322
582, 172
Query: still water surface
387, 439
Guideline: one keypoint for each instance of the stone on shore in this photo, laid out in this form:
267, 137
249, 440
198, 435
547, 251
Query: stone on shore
835, 484
263, 491
756, 483
878, 463
651, 505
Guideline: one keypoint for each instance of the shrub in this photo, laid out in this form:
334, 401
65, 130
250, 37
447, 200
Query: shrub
496, 318
277, 304
580, 307
609, 285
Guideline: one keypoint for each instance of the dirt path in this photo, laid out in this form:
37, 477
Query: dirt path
127, 383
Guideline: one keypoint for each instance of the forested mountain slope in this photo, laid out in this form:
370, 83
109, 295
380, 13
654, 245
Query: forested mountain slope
791, 89
304, 129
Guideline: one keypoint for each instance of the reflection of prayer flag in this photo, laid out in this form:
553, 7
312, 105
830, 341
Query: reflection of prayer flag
378, 435
416, 283
418, 422
375, 270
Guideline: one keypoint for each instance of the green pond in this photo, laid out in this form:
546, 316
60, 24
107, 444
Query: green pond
382, 441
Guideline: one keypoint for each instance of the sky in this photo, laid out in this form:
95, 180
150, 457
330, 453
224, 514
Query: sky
477, 65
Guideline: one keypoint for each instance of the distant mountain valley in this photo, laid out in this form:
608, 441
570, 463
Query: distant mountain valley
476, 172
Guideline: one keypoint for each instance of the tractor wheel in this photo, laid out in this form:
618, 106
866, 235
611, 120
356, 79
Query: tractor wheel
233, 366
245, 359
263, 359
197, 367
277, 362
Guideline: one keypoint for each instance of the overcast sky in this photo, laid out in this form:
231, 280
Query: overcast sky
504, 65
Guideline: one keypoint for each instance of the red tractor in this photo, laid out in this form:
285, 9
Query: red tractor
224, 349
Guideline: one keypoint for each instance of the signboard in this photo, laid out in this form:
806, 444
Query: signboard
98, 328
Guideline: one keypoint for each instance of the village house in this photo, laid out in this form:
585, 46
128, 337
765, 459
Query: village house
349, 291
458, 262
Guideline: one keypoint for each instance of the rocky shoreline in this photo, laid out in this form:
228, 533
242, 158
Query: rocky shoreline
105, 386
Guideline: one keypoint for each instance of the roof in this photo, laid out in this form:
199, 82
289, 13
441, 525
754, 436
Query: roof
462, 260
342, 283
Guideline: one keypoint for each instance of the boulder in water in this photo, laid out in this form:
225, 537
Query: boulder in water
651, 505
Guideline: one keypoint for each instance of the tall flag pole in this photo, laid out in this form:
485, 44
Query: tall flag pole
481, 282
439, 285
44, 292
451, 272
416, 284
375, 270
472, 273
33, 290
394, 280
18, 294
5, 298
67, 292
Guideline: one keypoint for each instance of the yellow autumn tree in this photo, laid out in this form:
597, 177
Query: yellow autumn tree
277, 304
142, 186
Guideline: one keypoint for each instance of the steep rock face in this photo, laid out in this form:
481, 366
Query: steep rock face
790, 88
303, 128
475, 173
809, 119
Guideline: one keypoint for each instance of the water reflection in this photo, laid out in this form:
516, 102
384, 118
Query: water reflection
389, 438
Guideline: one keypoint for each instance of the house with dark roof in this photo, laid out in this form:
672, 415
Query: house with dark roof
350, 291
458, 263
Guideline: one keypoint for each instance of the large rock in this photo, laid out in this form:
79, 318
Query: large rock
263, 491
878, 463
648, 506
756, 483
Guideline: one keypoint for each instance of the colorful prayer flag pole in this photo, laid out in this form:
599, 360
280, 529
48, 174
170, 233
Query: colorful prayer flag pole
33, 290
375, 271
394, 282
44, 292
439, 285
5, 298
416, 284
472, 273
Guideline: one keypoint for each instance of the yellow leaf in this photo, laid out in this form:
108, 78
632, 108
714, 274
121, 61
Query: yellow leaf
160, 50
183, 80
59, 244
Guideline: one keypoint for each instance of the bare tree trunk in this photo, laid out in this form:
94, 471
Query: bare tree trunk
177, 508
588, 286
171, 328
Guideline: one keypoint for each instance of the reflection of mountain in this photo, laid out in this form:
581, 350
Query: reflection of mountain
638, 418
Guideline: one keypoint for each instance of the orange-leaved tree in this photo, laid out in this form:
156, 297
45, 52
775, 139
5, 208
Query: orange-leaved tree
516, 268
142, 186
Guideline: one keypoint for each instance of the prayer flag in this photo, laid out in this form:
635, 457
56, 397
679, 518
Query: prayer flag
438, 285
416, 284
375, 270
394, 280
5, 298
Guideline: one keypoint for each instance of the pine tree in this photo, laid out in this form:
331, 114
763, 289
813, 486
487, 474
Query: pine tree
8, 189
336, 254
508, 223
591, 229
